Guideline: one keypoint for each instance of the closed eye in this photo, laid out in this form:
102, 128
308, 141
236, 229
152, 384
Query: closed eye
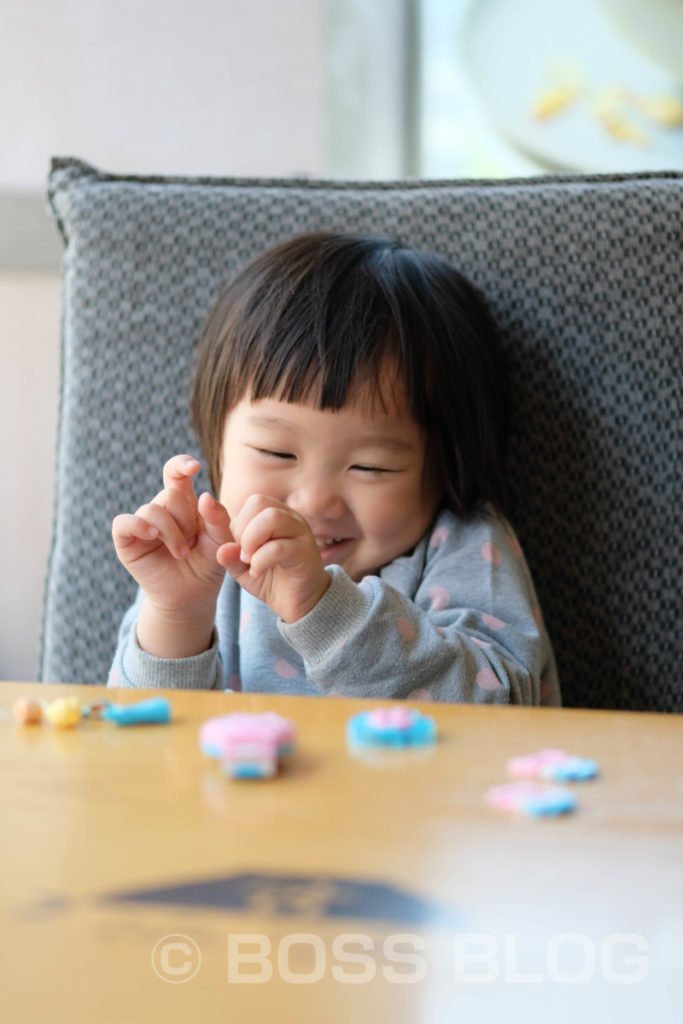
372, 470
273, 454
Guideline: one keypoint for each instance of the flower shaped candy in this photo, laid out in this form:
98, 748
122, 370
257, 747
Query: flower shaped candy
248, 745
391, 727
531, 799
552, 765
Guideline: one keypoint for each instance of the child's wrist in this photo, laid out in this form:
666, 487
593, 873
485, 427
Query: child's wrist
302, 609
175, 633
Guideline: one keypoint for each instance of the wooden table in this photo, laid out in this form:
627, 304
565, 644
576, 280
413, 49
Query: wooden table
139, 884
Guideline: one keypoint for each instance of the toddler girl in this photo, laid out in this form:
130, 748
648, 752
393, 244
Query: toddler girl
349, 400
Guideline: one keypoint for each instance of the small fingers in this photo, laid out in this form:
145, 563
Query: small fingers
168, 530
271, 524
178, 472
178, 496
254, 504
228, 555
128, 528
261, 519
216, 519
279, 551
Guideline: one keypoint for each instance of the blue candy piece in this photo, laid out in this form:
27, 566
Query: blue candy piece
553, 802
248, 769
534, 799
144, 712
391, 727
575, 769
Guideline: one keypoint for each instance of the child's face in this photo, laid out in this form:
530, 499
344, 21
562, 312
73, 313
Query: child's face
359, 476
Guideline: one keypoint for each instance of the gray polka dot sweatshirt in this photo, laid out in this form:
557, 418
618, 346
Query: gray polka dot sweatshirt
455, 619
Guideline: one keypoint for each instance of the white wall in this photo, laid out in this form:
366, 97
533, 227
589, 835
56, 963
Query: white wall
168, 86
29, 358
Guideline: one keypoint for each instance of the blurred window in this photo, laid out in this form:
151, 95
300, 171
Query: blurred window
517, 87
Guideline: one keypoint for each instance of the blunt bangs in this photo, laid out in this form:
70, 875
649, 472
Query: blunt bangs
335, 332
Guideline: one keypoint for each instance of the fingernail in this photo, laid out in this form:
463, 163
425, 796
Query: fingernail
244, 557
189, 462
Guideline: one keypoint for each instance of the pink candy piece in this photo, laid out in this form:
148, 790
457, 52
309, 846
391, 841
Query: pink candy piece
509, 797
391, 718
531, 798
552, 765
269, 731
538, 765
249, 758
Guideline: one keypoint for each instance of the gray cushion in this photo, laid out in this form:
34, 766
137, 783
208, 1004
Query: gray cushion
584, 276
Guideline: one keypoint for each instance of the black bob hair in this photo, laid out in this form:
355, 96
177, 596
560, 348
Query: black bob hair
314, 317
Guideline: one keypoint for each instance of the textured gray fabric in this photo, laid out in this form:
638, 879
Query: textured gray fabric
585, 278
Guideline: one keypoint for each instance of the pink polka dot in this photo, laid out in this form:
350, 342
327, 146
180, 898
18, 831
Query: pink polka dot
491, 553
285, 670
479, 643
245, 619
487, 679
442, 630
420, 694
334, 693
406, 629
439, 536
234, 682
440, 598
491, 621
538, 618
514, 545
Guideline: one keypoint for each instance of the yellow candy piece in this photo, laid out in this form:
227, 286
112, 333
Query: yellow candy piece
65, 712
554, 100
611, 109
664, 110
27, 711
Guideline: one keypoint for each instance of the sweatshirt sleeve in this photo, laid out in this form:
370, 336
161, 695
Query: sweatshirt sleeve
132, 667
465, 627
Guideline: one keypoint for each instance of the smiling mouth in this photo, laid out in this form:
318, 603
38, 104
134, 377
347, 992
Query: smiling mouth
330, 548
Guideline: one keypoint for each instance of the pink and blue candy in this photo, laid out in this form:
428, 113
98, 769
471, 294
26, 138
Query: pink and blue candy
532, 799
248, 745
391, 727
552, 765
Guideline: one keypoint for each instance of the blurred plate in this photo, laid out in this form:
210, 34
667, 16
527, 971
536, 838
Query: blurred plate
516, 50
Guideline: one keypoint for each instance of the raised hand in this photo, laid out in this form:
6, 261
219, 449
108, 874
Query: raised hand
169, 547
274, 556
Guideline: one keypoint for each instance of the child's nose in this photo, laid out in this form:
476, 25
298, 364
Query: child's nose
317, 499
